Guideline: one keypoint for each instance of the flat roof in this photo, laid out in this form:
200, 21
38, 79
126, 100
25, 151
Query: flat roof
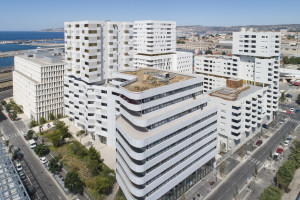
231, 94
153, 78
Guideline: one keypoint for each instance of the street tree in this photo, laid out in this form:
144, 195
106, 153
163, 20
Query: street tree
55, 165
80, 134
74, 183
282, 97
242, 151
236, 193
41, 150
222, 168
255, 170
298, 99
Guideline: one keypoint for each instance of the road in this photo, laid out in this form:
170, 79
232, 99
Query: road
6, 94
46, 187
238, 177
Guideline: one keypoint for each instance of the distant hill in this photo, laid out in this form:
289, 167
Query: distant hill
53, 30
228, 29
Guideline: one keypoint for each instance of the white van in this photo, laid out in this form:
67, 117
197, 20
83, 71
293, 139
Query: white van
32, 144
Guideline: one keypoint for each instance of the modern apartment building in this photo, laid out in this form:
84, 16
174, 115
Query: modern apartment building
155, 46
255, 60
38, 83
94, 50
166, 133
241, 112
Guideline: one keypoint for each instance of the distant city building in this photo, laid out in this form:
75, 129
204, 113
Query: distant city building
38, 83
166, 133
155, 46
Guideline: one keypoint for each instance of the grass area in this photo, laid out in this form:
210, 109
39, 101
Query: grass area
98, 178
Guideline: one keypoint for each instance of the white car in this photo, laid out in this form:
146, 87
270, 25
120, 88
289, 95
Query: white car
19, 167
292, 109
286, 143
43, 160
32, 143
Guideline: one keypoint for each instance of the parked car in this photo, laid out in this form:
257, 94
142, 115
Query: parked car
292, 109
289, 96
265, 126
279, 150
259, 142
31, 190
282, 121
297, 111
19, 167
22, 175
20, 155
32, 143
286, 143
276, 156
43, 160
15, 149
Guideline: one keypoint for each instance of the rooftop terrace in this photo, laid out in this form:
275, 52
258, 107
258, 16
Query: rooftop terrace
152, 78
231, 94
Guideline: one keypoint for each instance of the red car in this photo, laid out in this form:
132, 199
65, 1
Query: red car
279, 150
259, 142
288, 112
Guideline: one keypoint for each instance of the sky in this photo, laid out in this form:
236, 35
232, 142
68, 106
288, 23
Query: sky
34, 15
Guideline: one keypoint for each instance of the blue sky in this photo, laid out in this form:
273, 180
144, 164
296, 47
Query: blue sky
42, 14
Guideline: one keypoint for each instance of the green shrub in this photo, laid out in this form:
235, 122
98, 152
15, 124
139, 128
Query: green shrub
42, 120
51, 116
33, 123
3, 103
285, 174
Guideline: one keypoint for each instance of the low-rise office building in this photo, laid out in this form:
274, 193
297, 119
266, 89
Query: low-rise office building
38, 83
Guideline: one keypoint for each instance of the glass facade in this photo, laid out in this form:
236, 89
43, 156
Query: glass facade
189, 182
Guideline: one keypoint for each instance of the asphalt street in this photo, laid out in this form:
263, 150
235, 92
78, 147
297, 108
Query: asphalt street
46, 187
6, 94
238, 177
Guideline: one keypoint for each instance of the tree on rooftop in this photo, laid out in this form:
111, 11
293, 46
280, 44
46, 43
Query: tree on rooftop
208, 52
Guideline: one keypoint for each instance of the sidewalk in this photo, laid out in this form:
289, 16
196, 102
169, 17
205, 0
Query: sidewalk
107, 153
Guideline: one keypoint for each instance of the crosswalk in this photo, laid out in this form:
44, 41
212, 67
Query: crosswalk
255, 161
294, 120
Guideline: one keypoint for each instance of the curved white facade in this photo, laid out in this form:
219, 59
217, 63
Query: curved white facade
165, 134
